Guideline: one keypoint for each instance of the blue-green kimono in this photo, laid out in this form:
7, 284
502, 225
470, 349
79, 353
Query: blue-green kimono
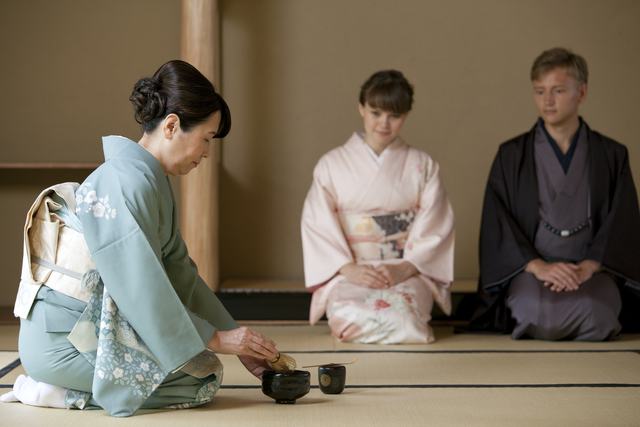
150, 314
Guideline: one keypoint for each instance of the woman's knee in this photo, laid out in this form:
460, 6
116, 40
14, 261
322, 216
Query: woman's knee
57, 363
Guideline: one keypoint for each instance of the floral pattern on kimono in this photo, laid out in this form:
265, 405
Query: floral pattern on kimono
88, 201
75, 399
124, 366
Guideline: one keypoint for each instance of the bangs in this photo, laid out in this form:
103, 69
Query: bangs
387, 102
389, 98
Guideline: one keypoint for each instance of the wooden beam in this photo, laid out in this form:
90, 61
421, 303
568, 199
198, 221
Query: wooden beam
199, 189
49, 165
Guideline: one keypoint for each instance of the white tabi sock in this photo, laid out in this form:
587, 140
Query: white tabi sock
8, 397
31, 392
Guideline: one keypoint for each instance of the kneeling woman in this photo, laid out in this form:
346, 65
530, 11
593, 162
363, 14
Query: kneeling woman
377, 228
113, 311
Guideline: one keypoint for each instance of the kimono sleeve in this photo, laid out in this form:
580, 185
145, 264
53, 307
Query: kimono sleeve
325, 248
119, 211
617, 242
505, 248
430, 243
192, 290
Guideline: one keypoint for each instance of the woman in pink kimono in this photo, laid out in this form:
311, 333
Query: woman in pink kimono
377, 228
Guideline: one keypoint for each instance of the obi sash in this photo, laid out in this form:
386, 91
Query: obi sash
377, 236
54, 254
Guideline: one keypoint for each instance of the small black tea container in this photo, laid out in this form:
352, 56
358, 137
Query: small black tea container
331, 378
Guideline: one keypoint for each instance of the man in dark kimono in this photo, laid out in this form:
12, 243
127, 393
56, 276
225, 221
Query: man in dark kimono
560, 232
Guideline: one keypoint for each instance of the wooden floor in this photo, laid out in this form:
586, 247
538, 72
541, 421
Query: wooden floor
460, 380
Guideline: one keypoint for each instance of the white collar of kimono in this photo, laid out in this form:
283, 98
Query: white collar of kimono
114, 145
379, 158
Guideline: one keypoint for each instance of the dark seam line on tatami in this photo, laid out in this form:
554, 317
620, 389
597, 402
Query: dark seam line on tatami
362, 386
637, 351
428, 386
10, 367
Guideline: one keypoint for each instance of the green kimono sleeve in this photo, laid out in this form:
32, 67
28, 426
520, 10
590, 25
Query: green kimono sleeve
119, 208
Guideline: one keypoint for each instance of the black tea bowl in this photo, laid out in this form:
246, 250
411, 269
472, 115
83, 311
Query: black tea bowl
331, 378
286, 387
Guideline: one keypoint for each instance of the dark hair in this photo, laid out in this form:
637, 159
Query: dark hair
388, 90
179, 88
559, 57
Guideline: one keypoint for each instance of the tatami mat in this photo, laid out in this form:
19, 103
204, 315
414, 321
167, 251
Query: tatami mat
583, 407
470, 369
10, 370
318, 338
298, 337
7, 357
466, 370
9, 337
460, 380
301, 337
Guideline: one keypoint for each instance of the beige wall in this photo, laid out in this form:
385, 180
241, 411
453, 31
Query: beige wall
68, 68
291, 73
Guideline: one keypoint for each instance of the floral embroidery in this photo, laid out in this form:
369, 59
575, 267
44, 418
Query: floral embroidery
407, 297
204, 395
380, 304
121, 358
76, 399
390, 299
87, 200
394, 315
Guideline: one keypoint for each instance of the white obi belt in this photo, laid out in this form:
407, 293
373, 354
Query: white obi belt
377, 236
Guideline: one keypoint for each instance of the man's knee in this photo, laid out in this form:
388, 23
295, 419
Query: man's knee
524, 299
602, 323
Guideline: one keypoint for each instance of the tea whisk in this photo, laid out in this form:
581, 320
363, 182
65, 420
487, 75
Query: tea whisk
282, 363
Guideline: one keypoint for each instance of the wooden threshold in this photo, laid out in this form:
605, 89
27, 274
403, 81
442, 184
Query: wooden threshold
273, 285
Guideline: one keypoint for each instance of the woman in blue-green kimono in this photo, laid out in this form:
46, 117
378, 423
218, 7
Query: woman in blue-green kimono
138, 328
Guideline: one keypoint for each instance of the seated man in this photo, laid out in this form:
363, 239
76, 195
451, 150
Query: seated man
560, 232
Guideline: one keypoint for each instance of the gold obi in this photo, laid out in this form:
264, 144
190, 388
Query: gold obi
377, 236
54, 254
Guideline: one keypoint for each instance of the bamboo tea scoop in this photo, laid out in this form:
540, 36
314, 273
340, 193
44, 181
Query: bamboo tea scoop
331, 364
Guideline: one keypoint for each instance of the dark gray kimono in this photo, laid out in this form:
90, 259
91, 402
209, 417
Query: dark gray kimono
511, 220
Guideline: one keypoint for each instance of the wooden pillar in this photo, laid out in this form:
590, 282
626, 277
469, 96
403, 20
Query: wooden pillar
199, 189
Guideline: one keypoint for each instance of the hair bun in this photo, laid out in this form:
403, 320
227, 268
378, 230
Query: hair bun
148, 101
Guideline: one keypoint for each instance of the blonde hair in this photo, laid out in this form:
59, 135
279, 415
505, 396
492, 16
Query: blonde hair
559, 57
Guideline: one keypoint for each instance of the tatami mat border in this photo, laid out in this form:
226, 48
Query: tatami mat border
10, 367
630, 350
425, 386
13, 365
365, 386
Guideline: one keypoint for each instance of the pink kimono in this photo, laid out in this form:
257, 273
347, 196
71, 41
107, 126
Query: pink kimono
376, 210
